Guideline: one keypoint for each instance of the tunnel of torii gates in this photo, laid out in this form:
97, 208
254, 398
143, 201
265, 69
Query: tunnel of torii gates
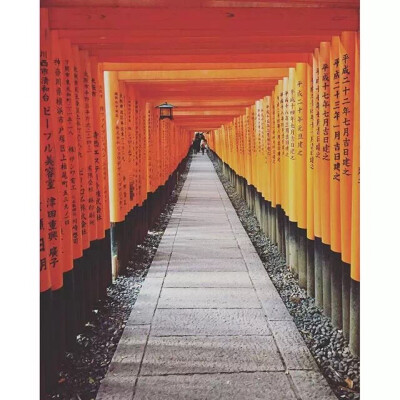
276, 87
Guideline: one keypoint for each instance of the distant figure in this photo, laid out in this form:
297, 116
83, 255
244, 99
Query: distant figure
203, 145
196, 145
193, 147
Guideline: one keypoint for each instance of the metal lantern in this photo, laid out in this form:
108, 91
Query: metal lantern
165, 110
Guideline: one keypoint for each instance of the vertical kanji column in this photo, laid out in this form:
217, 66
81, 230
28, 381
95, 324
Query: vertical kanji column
273, 169
334, 178
102, 138
111, 91
347, 72
91, 269
102, 256
355, 213
324, 183
67, 167
278, 173
317, 181
268, 113
301, 169
291, 172
52, 261
285, 165
49, 238
310, 180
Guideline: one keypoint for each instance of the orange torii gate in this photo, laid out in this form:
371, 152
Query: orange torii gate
93, 177
249, 74
309, 186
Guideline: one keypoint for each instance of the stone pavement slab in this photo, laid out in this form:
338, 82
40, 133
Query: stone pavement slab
208, 279
200, 236
208, 298
143, 311
204, 213
207, 242
239, 386
226, 322
311, 385
207, 265
291, 345
208, 322
204, 228
121, 375
210, 354
200, 252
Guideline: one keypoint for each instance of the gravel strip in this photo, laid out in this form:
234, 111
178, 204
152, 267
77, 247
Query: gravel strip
326, 343
83, 369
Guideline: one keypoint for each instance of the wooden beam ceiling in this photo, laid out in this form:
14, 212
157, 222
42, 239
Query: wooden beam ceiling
210, 58
204, 3
282, 20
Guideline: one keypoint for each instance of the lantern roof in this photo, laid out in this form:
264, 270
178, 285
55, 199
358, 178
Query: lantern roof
165, 105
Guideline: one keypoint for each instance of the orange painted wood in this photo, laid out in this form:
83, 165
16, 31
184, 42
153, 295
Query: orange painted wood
72, 140
80, 131
347, 92
256, 52
103, 148
90, 148
355, 209
310, 151
45, 137
209, 48
301, 92
123, 57
198, 109
158, 39
273, 149
292, 153
64, 252
278, 142
200, 104
51, 247
191, 66
121, 146
284, 100
140, 42
324, 151
111, 103
204, 75
203, 3
58, 102
97, 149
317, 145
335, 144
130, 146
217, 61
307, 20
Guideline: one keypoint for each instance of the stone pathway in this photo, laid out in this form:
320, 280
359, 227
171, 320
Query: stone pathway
208, 322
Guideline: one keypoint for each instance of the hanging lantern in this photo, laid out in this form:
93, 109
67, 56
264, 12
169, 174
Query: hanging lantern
165, 110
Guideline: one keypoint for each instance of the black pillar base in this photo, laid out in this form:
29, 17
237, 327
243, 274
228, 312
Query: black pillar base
286, 237
292, 247
318, 284
48, 361
71, 322
80, 294
326, 279
310, 268
346, 299
319, 269
355, 317
336, 290
302, 257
